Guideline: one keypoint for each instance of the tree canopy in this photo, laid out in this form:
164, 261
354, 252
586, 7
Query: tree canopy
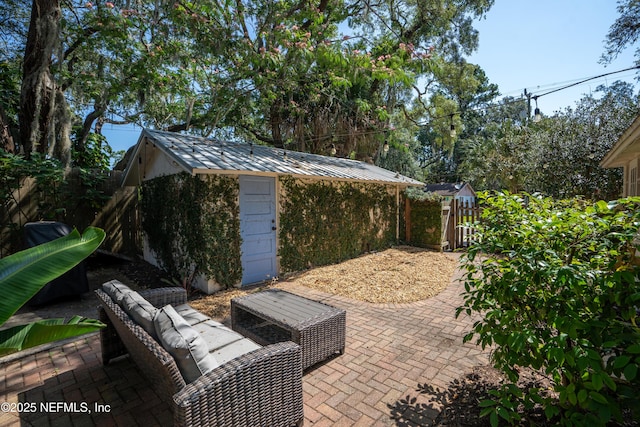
624, 31
309, 76
558, 156
337, 77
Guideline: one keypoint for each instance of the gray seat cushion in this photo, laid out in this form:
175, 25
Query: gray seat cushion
191, 315
216, 335
233, 350
222, 342
184, 343
141, 311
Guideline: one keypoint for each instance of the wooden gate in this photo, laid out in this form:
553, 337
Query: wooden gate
458, 224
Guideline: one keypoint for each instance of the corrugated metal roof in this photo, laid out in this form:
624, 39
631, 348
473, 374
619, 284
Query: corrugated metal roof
199, 155
444, 189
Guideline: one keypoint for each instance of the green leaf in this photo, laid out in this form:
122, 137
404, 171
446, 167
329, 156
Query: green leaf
598, 397
634, 349
582, 396
493, 419
487, 411
24, 273
503, 413
551, 411
621, 361
33, 334
630, 372
597, 381
602, 206
487, 402
609, 382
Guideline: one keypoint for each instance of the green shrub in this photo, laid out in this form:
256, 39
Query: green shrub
556, 286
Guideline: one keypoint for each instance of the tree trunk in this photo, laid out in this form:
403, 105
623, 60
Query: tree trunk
6, 139
275, 120
38, 94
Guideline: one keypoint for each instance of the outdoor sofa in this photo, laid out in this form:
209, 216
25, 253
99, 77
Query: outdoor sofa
232, 382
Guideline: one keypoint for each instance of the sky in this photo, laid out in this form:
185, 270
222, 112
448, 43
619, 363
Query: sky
539, 45
543, 45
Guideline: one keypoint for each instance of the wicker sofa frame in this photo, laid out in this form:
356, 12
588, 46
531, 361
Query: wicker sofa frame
260, 388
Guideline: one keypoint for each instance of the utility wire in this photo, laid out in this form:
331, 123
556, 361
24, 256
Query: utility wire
586, 80
514, 99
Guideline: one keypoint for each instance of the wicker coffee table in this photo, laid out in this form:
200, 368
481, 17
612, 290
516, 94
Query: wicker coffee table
274, 315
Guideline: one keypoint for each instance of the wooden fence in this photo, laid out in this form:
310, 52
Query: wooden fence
458, 219
118, 216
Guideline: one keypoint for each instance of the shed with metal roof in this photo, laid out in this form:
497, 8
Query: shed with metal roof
161, 153
260, 173
461, 191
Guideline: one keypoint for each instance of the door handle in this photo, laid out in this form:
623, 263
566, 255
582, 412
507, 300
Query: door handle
273, 228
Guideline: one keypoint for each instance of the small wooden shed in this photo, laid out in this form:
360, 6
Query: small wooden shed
261, 174
463, 192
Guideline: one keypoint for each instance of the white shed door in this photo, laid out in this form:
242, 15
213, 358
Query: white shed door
258, 228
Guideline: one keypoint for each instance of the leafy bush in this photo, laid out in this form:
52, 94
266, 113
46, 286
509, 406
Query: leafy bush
24, 273
556, 286
418, 194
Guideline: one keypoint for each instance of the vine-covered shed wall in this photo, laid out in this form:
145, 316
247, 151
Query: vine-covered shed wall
196, 215
324, 222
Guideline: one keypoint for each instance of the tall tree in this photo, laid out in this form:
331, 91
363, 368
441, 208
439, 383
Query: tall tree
44, 123
624, 31
462, 93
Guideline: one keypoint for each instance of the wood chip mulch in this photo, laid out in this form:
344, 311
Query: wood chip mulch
401, 274
398, 275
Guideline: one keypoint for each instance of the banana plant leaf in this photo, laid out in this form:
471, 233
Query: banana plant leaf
24, 273
22, 337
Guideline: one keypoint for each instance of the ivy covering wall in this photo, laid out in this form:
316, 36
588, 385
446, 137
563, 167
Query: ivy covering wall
324, 223
424, 219
192, 225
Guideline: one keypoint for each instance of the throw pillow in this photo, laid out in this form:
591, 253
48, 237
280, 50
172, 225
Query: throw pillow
116, 290
182, 342
141, 311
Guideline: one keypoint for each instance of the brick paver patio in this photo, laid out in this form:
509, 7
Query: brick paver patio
390, 351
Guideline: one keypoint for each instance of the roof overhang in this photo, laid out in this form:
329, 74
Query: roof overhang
626, 148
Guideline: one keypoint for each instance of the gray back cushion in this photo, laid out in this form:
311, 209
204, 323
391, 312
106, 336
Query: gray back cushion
141, 311
186, 345
116, 290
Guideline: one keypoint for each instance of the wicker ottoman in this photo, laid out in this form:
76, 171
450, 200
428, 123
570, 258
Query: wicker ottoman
274, 315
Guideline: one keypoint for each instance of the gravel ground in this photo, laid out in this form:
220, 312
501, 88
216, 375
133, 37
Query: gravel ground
397, 275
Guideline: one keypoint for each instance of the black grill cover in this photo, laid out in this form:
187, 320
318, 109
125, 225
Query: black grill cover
71, 284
